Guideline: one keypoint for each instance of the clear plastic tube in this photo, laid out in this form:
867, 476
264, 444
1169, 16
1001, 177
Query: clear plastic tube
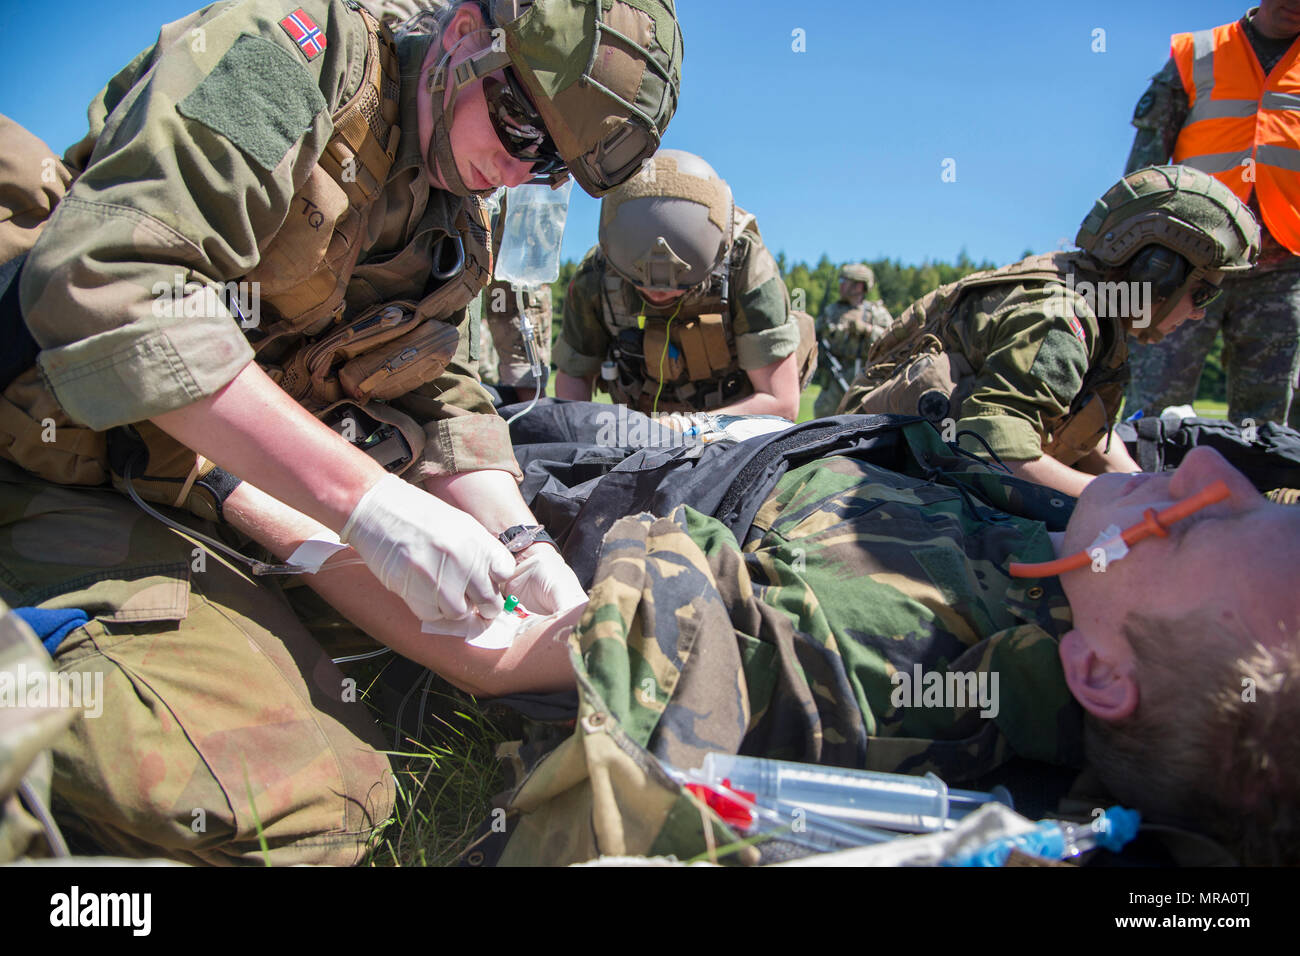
861, 797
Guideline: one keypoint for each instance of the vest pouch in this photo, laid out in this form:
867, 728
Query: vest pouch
660, 352
1081, 432
403, 364
299, 272
37, 435
391, 438
309, 374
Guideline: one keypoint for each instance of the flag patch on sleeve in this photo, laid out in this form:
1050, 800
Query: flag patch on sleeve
303, 31
1077, 329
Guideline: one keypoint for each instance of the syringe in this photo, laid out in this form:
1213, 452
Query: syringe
861, 797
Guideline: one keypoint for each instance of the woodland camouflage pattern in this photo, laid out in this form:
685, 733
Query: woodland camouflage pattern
785, 649
847, 332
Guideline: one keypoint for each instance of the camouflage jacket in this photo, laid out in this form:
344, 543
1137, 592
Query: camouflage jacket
852, 574
194, 155
1029, 345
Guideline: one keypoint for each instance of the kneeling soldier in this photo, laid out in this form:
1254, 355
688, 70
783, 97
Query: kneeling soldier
680, 307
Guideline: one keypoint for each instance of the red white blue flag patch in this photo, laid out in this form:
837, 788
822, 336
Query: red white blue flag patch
303, 31
1077, 329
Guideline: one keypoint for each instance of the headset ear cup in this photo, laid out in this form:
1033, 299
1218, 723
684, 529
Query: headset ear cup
1162, 267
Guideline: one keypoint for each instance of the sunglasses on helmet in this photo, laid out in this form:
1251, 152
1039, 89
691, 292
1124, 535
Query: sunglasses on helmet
520, 129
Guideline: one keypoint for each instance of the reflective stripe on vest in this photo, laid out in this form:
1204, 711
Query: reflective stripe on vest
1243, 128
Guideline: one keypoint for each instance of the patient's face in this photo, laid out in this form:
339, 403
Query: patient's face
1235, 558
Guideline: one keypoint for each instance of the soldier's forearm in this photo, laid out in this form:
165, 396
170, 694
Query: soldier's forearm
776, 391
538, 660
1046, 470
253, 429
489, 495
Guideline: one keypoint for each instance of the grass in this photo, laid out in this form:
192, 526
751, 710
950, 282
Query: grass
445, 781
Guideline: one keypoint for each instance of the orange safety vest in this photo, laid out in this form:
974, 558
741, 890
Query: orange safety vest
1244, 127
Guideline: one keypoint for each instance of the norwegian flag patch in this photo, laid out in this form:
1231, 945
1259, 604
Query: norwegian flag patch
303, 31
1077, 329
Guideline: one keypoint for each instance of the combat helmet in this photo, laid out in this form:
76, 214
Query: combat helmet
670, 227
590, 87
1174, 208
858, 272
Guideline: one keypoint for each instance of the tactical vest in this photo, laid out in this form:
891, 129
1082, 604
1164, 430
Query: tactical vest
696, 348
912, 370
309, 277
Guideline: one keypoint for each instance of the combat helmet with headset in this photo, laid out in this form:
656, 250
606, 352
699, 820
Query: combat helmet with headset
1175, 227
589, 87
670, 228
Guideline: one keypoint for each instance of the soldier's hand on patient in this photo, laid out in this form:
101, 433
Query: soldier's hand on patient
437, 558
544, 583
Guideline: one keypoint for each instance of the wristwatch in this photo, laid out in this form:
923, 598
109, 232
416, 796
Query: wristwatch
522, 536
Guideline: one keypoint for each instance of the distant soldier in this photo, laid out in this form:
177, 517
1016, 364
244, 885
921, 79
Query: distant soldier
1032, 359
846, 330
1224, 104
681, 307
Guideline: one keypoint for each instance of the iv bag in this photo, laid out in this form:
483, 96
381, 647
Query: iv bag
531, 236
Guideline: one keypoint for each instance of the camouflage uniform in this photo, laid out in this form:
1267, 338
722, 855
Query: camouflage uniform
1014, 354
222, 715
849, 574
759, 326
1258, 312
261, 739
847, 332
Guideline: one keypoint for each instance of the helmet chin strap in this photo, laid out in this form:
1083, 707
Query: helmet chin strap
440, 158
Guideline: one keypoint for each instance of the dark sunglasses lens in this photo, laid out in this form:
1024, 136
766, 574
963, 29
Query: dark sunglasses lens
1204, 294
519, 128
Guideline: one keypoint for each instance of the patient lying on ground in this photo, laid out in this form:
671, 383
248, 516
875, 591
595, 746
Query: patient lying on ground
1173, 671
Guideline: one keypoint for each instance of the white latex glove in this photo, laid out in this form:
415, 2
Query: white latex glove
437, 558
544, 584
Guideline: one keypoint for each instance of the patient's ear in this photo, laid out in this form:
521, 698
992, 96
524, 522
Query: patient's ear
1103, 685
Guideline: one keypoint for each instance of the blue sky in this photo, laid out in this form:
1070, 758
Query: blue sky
837, 149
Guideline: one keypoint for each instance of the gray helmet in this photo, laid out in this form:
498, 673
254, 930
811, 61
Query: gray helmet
670, 226
858, 272
1178, 208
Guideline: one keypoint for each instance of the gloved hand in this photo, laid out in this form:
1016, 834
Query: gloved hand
544, 583
437, 558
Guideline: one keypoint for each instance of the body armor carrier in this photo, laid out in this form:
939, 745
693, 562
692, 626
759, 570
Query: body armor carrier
695, 347
309, 277
912, 370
